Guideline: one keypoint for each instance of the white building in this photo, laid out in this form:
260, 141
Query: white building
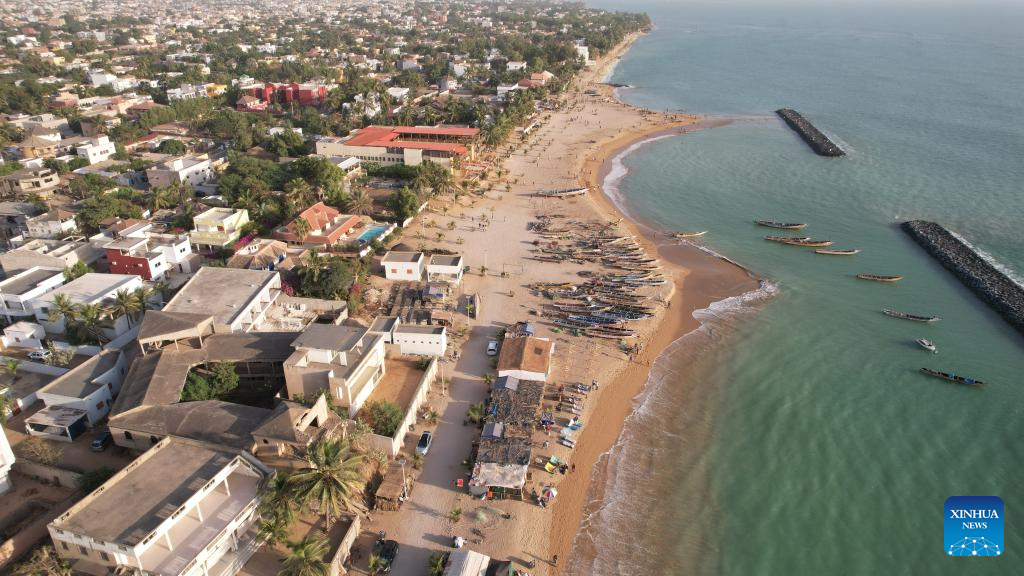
183, 508
526, 358
56, 223
24, 335
91, 288
18, 291
236, 299
403, 266
513, 66
219, 227
6, 462
445, 268
347, 360
90, 386
192, 169
96, 149
420, 340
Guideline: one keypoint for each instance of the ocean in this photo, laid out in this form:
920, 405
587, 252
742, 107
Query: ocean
792, 434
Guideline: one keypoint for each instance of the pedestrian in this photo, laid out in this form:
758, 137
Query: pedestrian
573, 466
554, 560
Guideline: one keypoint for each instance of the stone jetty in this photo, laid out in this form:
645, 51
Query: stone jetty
814, 138
995, 288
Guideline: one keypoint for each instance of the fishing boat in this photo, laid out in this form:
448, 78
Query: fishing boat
782, 225
879, 277
786, 238
905, 316
690, 234
927, 345
561, 193
952, 377
610, 332
809, 243
838, 252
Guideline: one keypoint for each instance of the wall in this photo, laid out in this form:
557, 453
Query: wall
344, 548
393, 446
45, 473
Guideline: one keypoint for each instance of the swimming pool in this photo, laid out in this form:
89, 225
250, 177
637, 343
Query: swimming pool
372, 233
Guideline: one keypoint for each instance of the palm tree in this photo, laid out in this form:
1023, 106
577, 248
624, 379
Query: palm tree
315, 265
301, 229
359, 202
272, 531
306, 558
436, 564
374, 564
11, 366
62, 307
162, 288
126, 304
278, 501
89, 322
298, 192
476, 413
142, 296
330, 480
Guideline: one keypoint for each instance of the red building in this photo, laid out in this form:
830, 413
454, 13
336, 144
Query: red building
309, 94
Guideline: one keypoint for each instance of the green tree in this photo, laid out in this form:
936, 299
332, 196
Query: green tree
436, 564
385, 417
43, 562
173, 147
476, 413
359, 202
330, 481
89, 323
93, 479
126, 304
375, 564
217, 383
76, 270
306, 557
403, 203
301, 229
62, 307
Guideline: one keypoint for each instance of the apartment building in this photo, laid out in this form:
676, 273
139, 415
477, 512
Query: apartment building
347, 360
236, 299
96, 149
91, 288
408, 145
18, 291
28, 182
218, 227
56, 223
192, 169
89, 387
50, 254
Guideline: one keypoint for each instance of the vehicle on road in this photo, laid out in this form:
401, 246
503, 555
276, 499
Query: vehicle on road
101, 441
492, 347
423, 446
41, 354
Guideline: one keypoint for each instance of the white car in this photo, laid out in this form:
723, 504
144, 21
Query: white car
41, 354
492, 348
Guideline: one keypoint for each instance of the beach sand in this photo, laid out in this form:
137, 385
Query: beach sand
573, 145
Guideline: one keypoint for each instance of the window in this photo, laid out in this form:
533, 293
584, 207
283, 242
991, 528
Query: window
127, 435
105, 556
64, 545
83, 550
153, 439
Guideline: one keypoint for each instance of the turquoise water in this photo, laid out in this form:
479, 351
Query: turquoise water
371, 234
815, 447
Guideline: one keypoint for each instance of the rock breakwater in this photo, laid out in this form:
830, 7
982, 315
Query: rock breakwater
814, 138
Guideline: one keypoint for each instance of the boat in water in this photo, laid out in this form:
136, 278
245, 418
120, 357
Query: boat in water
783, 239
782, 225
690, 234
952, 377
837, 252
809, 243
927, 345
879, 277
906, 316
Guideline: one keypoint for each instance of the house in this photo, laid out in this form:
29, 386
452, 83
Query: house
403, 266
56, 223
18, 291
236, 299
308, 94
514, 66
346, 360
218, 227
408, 145
38, 147
88, 289
49, 254
249, 103
183, 508
13, 218
24, 334
96, 149
6, 462
27, 182
133, 256
264, 254
90, 387
445, 268
293, 426
526, 358
466, 562
350, 165
422, 340
327, 227
191, 169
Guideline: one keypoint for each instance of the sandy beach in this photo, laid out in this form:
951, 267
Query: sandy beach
572, 146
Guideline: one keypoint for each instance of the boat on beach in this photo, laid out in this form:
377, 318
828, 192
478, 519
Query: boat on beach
837, 252
879, 277
927, 345
809, 243
562, 193
906, 316
952, 377
781, 225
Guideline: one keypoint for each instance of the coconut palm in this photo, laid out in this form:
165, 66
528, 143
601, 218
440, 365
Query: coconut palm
126, 304
359, 202
278, 503
301, 229
162, 288
89, 320
330, 480
436, 564
62, 307
142, 296
272, 531
299, 192
306, 558
315, 265
374, 564
476, 413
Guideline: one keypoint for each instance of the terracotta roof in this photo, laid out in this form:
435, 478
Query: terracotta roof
527, 353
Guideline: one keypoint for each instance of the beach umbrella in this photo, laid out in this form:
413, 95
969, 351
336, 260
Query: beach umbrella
550, 492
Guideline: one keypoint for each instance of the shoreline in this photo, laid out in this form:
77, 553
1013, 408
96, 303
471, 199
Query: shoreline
699, 279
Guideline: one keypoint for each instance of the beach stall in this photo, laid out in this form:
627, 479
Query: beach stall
394, 489
466, 562
501, 468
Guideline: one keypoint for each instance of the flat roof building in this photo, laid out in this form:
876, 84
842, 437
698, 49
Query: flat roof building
237, 299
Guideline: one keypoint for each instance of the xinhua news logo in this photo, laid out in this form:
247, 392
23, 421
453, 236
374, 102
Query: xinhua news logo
974, 526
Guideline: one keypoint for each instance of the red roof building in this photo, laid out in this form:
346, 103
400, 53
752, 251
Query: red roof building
327, 226
409, 145
309, 94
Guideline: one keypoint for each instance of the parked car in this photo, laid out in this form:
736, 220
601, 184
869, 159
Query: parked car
492, 348
423, 446
101, 441
386, 550
42, 354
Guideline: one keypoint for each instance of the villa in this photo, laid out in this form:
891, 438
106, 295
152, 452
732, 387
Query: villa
219, 227
327, 227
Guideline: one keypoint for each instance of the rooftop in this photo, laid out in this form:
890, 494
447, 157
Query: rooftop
220, 292
79, 382
525, 353
329, 337
27, 280
402, 257
419, 329
90, 287
445, 260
